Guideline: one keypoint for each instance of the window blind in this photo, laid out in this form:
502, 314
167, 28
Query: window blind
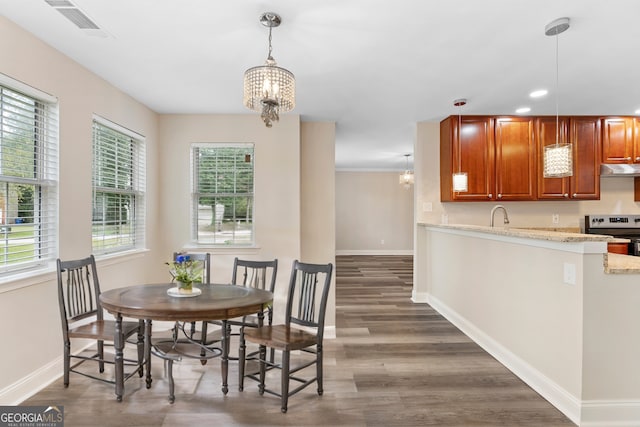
118, 189
222, 193
28, 180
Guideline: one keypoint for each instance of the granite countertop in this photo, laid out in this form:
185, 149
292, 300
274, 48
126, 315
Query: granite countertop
613, 263
532, 233
621, 264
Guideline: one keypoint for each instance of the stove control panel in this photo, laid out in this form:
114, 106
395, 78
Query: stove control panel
612, 221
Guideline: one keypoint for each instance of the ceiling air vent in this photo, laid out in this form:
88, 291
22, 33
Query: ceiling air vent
59, 3
73, 14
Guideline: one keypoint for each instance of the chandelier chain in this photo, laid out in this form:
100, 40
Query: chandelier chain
270, 48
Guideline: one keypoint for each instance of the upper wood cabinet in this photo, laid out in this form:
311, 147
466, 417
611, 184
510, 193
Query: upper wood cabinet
466, 145
503, 156
515, 152
619, 143
498, 156
584, 134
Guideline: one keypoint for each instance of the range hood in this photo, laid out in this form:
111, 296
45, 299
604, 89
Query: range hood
623, 169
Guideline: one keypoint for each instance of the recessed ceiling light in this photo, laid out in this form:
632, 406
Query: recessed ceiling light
522, 110
637, 111
538, 93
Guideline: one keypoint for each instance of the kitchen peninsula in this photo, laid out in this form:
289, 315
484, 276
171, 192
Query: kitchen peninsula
553, 307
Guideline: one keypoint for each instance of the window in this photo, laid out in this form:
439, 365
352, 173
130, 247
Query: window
28, 177
222, 191
118, 188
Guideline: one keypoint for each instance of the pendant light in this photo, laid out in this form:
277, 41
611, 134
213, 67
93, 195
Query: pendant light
407, 177
558, 157
460, 179
268, 88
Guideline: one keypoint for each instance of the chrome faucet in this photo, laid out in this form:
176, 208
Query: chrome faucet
493, 211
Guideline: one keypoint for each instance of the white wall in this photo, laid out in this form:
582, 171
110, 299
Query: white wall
372, 207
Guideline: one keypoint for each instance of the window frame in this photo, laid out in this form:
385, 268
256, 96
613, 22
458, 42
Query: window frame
44, 155
196, 195
136, 192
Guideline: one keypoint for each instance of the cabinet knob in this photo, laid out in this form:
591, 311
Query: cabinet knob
565, 195
575, 195
490, 196
627, 158
499, 196
637, 159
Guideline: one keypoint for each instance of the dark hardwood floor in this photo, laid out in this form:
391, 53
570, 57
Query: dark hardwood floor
394, 363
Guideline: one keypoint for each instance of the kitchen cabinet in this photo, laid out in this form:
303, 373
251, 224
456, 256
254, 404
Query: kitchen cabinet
498, 155
470, 150
584, 134
515, 158
620, 142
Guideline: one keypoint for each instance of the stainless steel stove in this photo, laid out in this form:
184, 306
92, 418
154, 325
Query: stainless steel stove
622, 226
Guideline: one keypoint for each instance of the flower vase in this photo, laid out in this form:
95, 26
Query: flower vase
185, 288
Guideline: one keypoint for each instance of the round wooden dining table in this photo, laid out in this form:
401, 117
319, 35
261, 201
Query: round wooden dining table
153, 302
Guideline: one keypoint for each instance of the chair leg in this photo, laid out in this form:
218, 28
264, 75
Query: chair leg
241, 356
140, 346
67, 363
285, 379
172, 397
101, 355
203, 352
263, 354
319, 369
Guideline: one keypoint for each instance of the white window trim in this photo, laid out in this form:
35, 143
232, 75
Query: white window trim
139, 246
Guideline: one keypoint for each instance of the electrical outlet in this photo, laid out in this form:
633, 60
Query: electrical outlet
382, 242
445, 219
555, 218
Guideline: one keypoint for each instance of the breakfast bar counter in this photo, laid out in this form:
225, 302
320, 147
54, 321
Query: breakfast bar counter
552, 306
612, 263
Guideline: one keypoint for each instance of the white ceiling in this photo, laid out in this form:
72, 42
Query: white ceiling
375, 67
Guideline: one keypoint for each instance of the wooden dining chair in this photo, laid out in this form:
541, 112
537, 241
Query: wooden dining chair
205, 259
306, 306
258, 275
79, 300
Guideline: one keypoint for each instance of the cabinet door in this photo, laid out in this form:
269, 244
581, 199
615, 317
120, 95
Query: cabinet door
550, 188
617, 140
469, 150
585, 136
515, 158
636, 140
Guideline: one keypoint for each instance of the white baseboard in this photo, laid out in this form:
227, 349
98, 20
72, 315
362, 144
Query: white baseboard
329, 332
585, 413
26, 387
374, 252
610, 413
419, 297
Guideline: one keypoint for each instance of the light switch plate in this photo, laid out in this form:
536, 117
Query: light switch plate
569, 276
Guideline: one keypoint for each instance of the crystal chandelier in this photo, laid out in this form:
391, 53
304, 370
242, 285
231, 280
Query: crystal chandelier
268, 88
558, 157
407, 177
460, 179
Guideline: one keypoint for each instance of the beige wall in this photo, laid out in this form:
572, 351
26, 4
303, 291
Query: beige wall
31, 336
277, 188
616, 195
372, 207
318, 203
28, 307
